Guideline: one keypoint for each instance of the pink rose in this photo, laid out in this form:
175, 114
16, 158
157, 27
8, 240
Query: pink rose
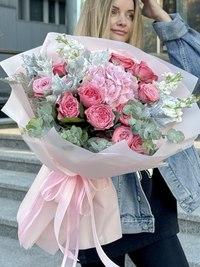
124, 119
60, 69
148, 93
143, 72
136, 144
90, 95
41, 86
122, 133
100, 116
68, 106
126, 62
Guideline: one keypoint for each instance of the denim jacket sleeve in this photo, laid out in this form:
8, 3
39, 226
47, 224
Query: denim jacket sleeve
182, 173
183, 44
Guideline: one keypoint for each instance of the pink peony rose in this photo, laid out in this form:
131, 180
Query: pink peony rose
126, 62
60, 69
41, 86
90, 95
68, 106
100, 116
136, 144
143, 72
122, 133
124, 119
148, 93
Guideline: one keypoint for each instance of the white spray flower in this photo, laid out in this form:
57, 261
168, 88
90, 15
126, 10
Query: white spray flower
172, 110
170, 82
72, 48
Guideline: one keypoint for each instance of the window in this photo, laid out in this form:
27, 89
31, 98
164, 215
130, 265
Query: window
61, 12
47, 11
51, 11
36, 10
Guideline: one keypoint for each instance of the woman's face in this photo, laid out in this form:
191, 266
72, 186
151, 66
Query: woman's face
121, 22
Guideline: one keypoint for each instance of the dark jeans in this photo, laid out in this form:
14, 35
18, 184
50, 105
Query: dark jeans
164, 253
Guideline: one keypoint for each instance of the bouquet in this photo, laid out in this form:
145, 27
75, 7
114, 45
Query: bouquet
95, 99
92, 108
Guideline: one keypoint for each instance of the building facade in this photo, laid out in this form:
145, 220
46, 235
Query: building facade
24, 25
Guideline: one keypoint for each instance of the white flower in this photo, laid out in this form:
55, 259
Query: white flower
171, 109
187, 102
72, 48
176, 114
170, 83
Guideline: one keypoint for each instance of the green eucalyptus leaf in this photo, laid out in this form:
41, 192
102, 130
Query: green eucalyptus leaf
132, 121
39, 126
46, 113
148, 144
175, 136
96, 144
35, 127
75, 135
156, 134
138, 124
127, 110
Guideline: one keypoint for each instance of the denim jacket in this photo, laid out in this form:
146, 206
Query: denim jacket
182, 173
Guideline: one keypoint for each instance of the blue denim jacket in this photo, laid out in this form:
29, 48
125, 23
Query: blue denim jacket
182, 174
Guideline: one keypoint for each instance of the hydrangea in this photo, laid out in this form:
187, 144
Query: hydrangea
118, 86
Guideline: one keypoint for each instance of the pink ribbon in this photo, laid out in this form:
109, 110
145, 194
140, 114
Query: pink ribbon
69, 192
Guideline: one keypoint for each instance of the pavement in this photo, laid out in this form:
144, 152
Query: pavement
12, 255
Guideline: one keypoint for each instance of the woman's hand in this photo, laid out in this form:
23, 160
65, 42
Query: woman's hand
151, 9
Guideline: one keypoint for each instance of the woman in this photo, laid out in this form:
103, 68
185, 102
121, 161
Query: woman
147, 206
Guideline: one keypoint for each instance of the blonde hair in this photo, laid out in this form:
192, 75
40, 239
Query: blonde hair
94, 20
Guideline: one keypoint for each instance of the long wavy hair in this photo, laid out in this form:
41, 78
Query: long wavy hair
95, 17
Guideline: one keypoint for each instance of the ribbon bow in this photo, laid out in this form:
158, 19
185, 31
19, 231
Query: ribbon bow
73, 195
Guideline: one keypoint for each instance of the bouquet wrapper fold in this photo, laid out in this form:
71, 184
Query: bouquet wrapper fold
72, 203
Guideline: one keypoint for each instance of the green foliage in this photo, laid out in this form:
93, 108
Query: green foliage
175, 136
43, 122
75, 135
149, 145
136, 109
35, 127
37, 65
59, 85
97, 144
145, 125
141, 122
